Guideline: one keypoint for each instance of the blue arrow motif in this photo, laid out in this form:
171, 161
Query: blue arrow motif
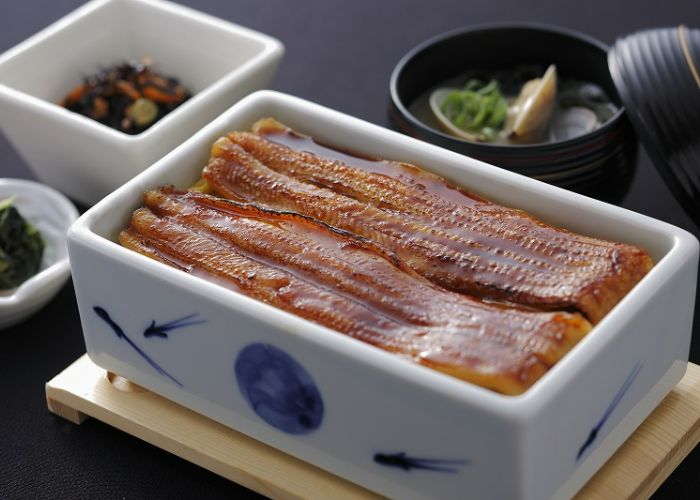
609, 410
161, 331
404, 462
120, 334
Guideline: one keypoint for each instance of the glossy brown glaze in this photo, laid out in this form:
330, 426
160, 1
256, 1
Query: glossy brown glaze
372, 249
335, 159
455, 239
348, 284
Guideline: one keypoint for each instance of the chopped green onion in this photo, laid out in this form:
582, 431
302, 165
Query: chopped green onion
479, 108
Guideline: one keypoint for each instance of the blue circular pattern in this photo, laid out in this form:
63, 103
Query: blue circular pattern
278, 389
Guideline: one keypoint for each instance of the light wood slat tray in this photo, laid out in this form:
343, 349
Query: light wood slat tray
84, 390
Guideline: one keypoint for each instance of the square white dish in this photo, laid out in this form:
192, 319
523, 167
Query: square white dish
381, 416
218, 61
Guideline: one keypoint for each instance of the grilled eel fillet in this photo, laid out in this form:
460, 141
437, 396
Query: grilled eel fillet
453, 238
351, 285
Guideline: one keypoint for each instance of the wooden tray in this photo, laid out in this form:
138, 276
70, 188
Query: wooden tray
84, 390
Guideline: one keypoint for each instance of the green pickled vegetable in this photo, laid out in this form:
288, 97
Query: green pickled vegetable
479, 108
21, 247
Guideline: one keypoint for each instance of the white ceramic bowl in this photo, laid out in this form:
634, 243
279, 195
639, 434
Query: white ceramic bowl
51, 213
218, 61
375, 416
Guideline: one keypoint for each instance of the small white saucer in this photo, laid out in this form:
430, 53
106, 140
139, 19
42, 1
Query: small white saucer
51, 213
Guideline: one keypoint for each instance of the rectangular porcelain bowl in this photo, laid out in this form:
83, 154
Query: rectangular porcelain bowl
218, 61
374, 405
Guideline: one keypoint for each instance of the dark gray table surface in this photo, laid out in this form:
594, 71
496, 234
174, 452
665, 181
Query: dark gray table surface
339, 54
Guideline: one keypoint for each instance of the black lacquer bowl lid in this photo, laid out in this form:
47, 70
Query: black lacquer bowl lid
657, 75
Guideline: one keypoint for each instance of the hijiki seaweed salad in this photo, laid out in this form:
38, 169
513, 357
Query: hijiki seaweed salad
525, 105
129, 97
